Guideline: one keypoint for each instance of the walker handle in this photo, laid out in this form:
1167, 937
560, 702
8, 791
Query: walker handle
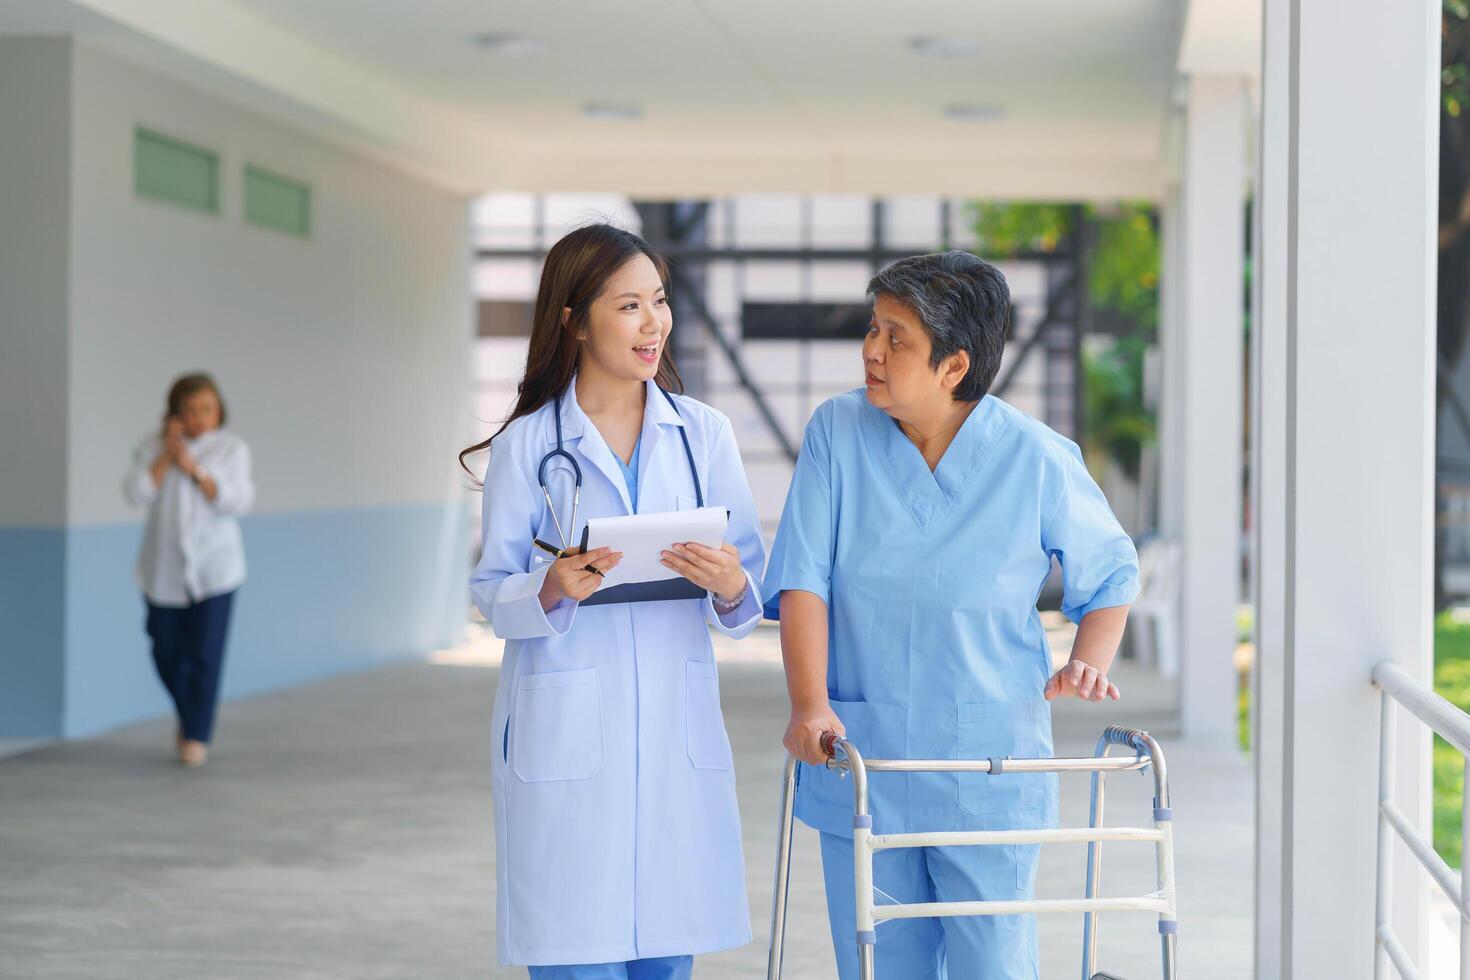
829, 743
1132, 738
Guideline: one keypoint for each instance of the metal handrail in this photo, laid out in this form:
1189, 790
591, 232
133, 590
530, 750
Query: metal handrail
1448, 721
1453, 725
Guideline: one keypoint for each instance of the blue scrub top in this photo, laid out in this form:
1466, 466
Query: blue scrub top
630, 472
931, 580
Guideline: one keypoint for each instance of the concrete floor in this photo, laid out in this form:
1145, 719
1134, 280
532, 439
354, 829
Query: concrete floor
344, 830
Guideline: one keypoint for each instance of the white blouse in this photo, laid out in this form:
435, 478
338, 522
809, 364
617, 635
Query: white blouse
192, 549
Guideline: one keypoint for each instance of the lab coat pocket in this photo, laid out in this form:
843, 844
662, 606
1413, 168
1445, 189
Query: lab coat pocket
999, 730
686, 502
556, 728
704, 724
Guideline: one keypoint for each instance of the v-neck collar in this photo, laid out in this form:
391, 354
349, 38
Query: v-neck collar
930, 494
577, 427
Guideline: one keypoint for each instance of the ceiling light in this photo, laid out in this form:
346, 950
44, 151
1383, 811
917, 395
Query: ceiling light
511, 45
944, 47
973, 112
617, 111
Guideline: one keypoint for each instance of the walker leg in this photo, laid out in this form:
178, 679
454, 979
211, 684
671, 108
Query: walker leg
862, 854
867, 935
1094, 869
1164, 821
1169, 943
783, 872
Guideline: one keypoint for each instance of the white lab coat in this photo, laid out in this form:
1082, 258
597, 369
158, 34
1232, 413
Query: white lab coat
192, 548
617, 832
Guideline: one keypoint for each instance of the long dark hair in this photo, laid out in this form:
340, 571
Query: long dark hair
576, 271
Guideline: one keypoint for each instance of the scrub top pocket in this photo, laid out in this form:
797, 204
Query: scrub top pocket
556, 728
704, 724
999, 730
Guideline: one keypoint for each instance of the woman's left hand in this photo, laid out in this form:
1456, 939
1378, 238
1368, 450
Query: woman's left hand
185, 461
1082, 680
716, 570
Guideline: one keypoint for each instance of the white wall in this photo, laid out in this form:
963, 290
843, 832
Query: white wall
344, 358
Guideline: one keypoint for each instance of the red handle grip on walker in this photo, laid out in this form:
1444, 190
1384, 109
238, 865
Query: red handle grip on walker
829, 743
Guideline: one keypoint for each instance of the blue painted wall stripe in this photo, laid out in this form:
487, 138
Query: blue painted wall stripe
32, 637
328, 592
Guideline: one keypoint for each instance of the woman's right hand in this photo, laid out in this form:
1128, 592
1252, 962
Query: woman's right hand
804, 734
173, 436
569, 578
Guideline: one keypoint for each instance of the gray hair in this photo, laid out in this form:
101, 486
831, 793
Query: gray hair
963, 303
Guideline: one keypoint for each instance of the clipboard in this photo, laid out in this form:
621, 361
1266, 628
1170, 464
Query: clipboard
655, 590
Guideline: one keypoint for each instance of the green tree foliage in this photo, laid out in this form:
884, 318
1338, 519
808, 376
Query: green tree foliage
1454, 73
1122, 245
1124, 265
1006, 230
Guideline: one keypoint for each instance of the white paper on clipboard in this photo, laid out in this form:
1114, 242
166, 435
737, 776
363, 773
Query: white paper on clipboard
643, 537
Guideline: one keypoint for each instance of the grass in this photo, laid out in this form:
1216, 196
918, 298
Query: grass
1243, 716
1452, 681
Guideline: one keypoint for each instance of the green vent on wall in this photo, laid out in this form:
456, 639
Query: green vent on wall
276, 202
166, 169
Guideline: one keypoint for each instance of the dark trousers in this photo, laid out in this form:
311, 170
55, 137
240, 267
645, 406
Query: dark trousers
189, 652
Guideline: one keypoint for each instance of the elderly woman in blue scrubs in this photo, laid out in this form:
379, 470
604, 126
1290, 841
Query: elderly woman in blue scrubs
918, 531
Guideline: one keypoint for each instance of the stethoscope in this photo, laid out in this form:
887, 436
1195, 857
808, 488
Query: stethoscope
561, 451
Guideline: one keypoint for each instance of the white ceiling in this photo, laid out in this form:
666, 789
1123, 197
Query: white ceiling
737, 95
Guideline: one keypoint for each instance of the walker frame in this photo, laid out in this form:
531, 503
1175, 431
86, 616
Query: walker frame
845, 757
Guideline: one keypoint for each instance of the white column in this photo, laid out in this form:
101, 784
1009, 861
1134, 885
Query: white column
1170, 406
1349, 325
1210, 451
35, 435
1268, 502
1171, 351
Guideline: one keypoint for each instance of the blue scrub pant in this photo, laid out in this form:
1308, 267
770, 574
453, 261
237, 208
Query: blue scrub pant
189, 652
986, 947
655, 968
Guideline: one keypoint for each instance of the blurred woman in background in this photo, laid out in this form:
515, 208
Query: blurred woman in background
194, 478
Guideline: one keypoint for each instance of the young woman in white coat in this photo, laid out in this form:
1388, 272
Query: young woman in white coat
617, 835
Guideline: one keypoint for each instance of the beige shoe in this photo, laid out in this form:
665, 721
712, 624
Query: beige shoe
193, 754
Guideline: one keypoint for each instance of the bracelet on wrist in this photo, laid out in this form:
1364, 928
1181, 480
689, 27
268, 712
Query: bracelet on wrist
725, 606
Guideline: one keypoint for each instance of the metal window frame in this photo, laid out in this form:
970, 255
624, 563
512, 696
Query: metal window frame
678, 230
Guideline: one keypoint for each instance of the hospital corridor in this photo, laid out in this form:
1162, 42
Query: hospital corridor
343, 831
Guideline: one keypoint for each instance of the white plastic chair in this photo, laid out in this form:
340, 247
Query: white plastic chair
1154, 618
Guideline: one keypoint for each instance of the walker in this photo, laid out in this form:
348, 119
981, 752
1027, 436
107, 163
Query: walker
845, 757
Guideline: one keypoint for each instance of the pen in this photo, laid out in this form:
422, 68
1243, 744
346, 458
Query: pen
559, 553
